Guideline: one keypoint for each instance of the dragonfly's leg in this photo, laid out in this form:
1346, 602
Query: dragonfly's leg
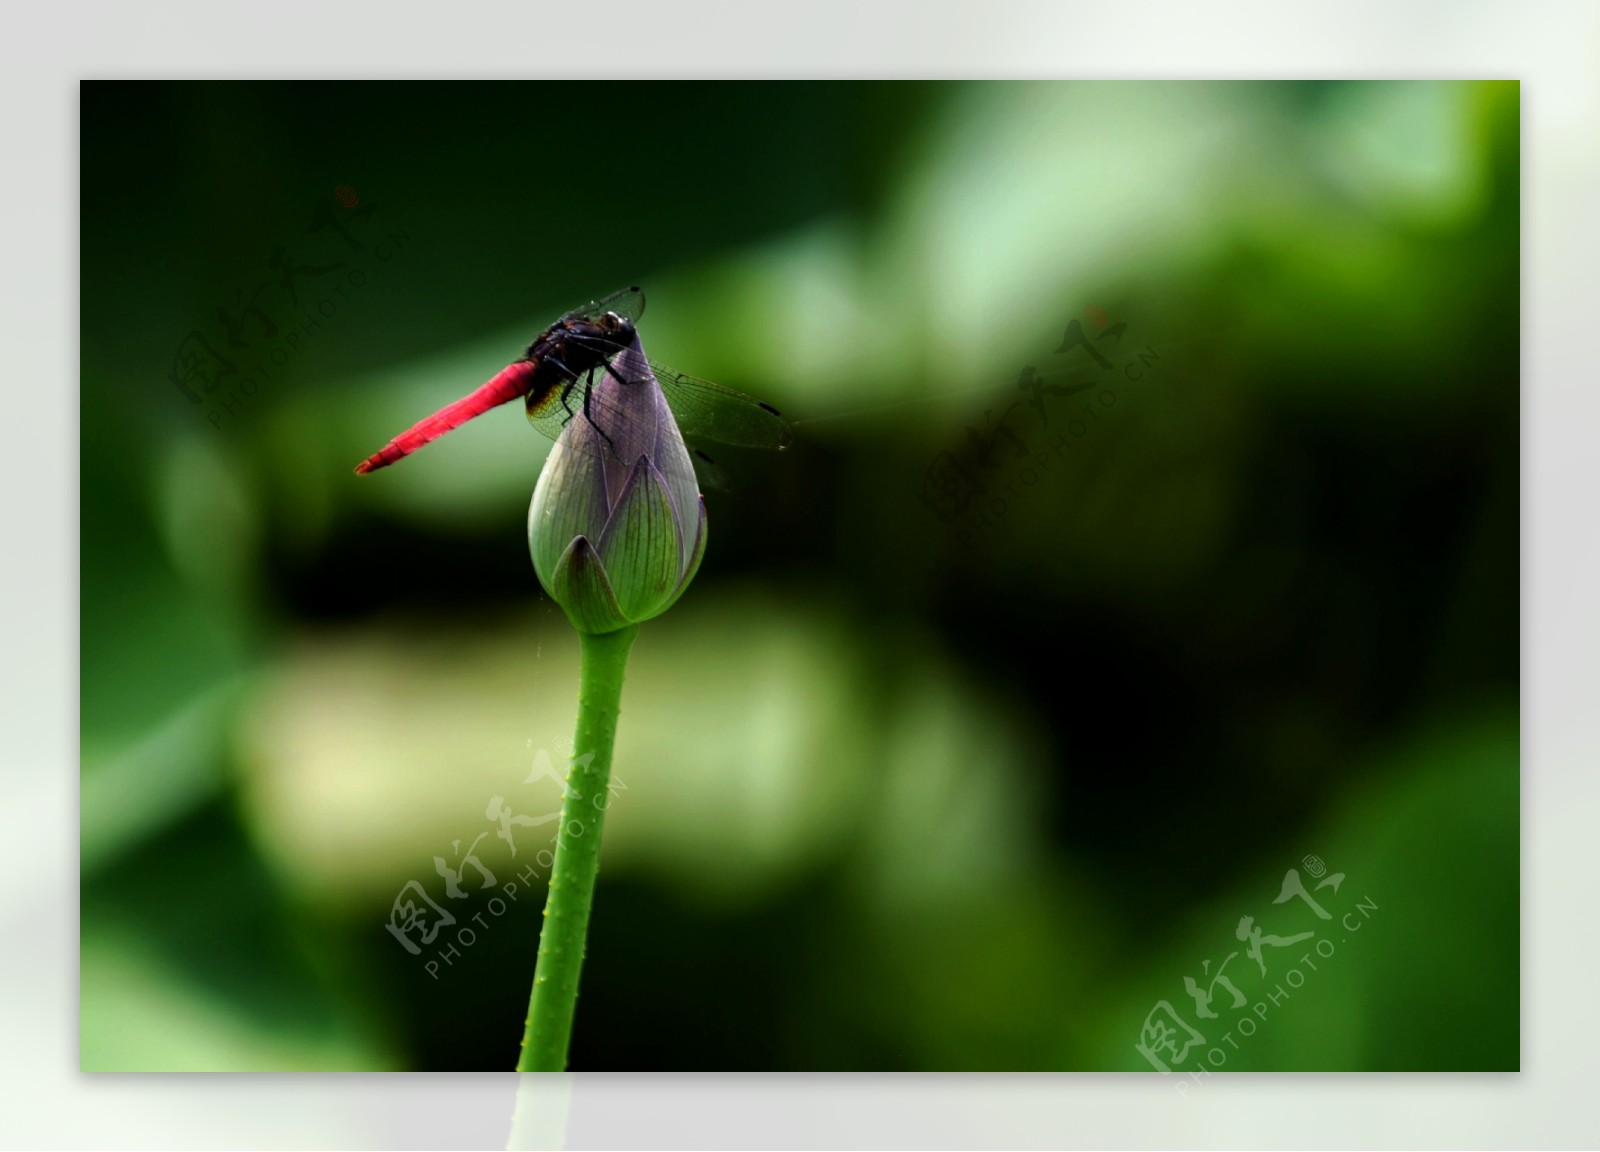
566, 390
588, 391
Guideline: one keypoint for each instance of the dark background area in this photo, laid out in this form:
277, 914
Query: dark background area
990, 713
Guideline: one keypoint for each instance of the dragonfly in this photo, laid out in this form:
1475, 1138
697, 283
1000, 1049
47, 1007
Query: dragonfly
556, 376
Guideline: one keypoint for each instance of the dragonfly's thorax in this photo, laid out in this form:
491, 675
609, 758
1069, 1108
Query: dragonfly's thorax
581, 343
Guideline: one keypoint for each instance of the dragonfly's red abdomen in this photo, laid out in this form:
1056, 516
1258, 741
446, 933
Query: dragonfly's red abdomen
508, 384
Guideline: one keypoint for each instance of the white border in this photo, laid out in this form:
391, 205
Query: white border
1554, 49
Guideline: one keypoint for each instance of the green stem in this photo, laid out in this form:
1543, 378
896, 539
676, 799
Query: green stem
577, 860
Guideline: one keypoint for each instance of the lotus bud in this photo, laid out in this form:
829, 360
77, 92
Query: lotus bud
617, 526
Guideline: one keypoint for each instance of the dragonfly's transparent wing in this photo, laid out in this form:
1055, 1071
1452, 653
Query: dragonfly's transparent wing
618, 413
550, 416
627, 302
707, 411
712, 478
703, 410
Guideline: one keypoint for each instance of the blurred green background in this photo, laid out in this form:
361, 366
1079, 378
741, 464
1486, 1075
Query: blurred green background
993, 709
